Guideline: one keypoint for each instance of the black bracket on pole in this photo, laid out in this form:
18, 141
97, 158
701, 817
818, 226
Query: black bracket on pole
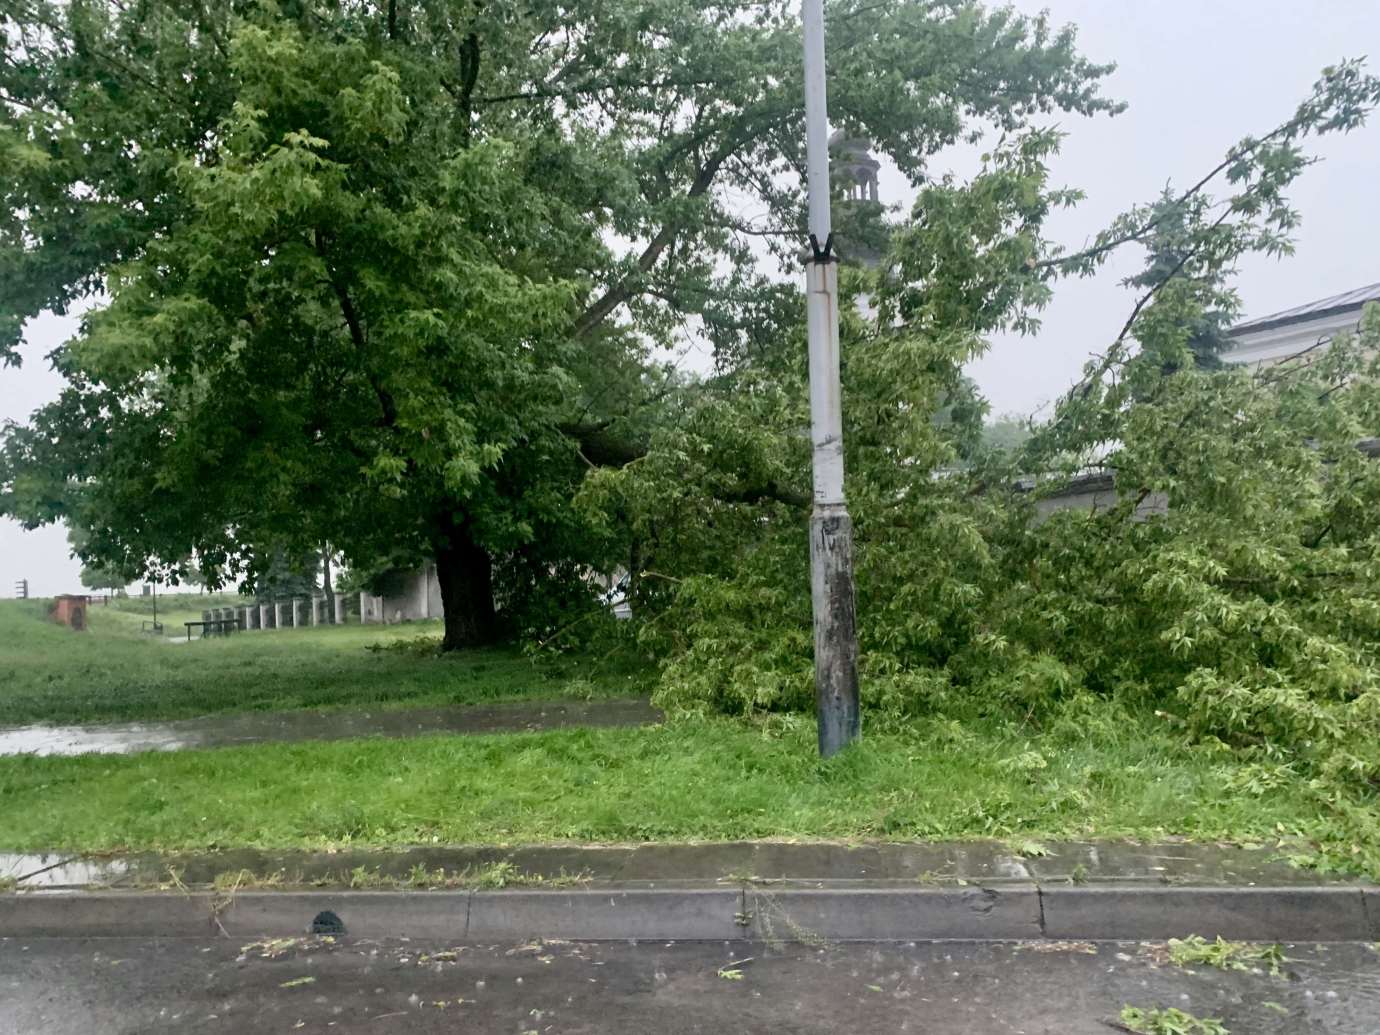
822, 254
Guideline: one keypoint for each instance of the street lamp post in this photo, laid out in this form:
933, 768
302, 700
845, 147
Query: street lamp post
831, 529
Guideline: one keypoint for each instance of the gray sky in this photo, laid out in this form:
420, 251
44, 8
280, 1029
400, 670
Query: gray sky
1197, 74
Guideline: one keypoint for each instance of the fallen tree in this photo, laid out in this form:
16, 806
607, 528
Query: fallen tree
1247, 612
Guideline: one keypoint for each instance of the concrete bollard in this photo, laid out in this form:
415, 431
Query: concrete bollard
265, 617
277, 615
316, 611
339, 609
296, 613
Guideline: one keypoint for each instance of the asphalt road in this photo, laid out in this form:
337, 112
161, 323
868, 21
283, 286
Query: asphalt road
118, 986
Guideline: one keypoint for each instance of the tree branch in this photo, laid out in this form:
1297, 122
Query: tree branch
770, 490
546, 93
469, 75
1109, 358
1232, 157
357, 336
626, 288
600, 448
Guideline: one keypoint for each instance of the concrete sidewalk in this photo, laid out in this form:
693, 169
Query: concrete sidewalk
933, 863
767, 891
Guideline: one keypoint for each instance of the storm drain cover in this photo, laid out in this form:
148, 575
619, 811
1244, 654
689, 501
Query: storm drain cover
327, 922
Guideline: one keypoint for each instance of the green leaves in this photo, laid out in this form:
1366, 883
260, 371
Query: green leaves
1169, 1021
374, 278
1223, 577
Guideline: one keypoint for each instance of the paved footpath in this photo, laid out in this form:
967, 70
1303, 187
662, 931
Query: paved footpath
316, 985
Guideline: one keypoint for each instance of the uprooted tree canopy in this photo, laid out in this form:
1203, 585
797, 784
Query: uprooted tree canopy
1247, 611
388, 274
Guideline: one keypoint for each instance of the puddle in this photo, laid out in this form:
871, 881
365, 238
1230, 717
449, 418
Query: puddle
57, 871
89, 740
259, 727
1170, 863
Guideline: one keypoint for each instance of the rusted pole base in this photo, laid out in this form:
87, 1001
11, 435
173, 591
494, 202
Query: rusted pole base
836, 641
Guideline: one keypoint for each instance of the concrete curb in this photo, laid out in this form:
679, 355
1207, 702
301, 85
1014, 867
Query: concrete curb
1011, 911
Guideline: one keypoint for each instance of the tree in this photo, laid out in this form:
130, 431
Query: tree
287, 576
94, 576
960, 592
1244, 611
1006, 432
100, 578
1169, 243
389, 275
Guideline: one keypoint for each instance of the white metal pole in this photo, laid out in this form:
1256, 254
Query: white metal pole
816, 121
831, 529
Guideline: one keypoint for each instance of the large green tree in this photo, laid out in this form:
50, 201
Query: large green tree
388, 274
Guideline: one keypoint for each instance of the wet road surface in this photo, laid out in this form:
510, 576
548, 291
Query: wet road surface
56, 986
313, 724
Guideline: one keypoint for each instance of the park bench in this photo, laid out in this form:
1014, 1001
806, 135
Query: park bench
213, 627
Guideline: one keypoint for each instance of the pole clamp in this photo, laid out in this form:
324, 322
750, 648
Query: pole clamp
822, 254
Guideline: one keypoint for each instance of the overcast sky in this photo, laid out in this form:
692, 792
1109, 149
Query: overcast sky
1197, 75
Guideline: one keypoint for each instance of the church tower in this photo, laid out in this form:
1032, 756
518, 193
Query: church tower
859, 236
854, 166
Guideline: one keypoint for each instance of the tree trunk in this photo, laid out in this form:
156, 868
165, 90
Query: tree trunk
467, 588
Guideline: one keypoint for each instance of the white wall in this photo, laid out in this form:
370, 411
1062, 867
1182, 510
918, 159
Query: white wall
1266, 347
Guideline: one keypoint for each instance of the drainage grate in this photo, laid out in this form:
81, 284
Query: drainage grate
327, 922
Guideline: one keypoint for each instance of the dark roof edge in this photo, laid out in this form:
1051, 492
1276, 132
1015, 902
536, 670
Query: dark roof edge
1105, 481
1266, 323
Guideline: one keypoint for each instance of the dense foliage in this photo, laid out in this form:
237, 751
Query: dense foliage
392, 277
1233, 587
389, 275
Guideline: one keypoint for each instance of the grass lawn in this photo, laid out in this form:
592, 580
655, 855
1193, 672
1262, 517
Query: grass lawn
701, 779
1098, 771
173, 608
113, 673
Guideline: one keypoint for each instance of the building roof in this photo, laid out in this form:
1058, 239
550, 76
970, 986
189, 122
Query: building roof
1347, 300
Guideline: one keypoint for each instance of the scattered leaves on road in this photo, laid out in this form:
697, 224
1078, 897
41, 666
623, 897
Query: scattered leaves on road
1225, 955
731, 971
1170, 1021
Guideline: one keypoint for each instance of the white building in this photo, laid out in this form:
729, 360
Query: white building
416, 597
1268, 339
